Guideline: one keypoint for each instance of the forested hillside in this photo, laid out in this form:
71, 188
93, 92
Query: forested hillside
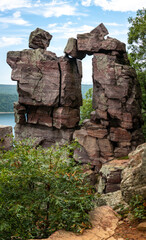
9, 95
8, 89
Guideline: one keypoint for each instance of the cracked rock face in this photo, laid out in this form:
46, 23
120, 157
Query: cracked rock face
39, 39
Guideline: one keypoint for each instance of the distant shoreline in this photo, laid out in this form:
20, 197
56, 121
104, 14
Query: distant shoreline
6, 112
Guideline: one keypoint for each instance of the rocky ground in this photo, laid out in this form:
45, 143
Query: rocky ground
128, 231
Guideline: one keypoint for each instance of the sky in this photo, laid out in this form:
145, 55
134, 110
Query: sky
63, 19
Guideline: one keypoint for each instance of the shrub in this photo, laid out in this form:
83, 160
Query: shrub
86, 109
41, 191
137, 207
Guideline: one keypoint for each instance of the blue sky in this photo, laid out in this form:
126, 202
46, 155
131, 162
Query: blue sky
63, 19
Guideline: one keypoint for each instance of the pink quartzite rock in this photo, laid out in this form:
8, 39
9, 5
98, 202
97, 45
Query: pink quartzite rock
71, 49
38, 76
119, 134
40, 115
39, 39
5, 137
106, 148
94, 42
90, 42
49, 89
43, 135
70, 82
85, 141
65, 117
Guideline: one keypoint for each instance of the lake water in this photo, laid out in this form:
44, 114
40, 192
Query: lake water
7, 119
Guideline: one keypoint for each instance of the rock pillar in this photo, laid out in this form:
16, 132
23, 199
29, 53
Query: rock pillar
49, 89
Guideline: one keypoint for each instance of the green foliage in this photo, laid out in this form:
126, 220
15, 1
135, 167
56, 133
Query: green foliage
6, 102
137, 55
85, 88
41, 191
86, 109
137, 208
137, 40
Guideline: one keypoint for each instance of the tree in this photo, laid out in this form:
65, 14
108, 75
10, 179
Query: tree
137, 55
86, 109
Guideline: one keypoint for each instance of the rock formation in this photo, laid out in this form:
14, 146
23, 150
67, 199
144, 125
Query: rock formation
115, 126
5, 137
49, 90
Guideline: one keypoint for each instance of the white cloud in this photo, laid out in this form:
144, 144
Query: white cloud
117, 5
113, 24
58, 10
8, 41
86, 2
52, 25
13, 4
16, 14
15, 19
118, 32
67, 30
55, 9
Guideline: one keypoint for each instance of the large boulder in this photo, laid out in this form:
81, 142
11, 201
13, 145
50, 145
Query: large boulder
71, 49
91, 42
39, 38
133, 176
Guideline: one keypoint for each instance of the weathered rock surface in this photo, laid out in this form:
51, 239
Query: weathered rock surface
38, 76
133, 176
65, 117
39, 39
110, 175
112, 199
104, 222
94, 42
40, 115
43, 135
71, 73
71, 49
91, 42
5, 137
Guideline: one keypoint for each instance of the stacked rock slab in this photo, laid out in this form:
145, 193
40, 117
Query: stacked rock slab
115, 126
49, 89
